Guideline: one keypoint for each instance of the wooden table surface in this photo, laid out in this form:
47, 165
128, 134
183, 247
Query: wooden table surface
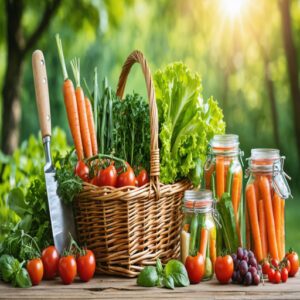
104, 287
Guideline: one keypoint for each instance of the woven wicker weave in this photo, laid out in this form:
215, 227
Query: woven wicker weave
128, 228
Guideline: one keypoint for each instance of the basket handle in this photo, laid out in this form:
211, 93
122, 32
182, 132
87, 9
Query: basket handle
138, 57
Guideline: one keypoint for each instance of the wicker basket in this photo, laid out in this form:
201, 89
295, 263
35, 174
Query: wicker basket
128, 228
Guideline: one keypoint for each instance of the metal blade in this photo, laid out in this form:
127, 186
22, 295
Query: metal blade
61, 215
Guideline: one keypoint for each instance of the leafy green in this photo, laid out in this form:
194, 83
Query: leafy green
229, 233
148, 277
22, 279
168, 282
177, 271
187, 123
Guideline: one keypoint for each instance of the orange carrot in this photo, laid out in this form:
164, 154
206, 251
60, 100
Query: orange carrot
213, 251
248, 231
262, 228
203, 241
236, 191
70, 104
220, 183
252, 208
277, 220
83, 120
282, 226
186, 227
264, 187
91, 124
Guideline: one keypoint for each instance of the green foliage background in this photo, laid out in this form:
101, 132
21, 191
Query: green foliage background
226, 51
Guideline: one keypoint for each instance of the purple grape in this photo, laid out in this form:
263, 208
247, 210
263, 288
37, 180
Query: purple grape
234, 256
256, 279
245, 258
236, 264
243, 267
234, 276
240, 253
250, 254
248, 279
245, 252
239, 277
252, 270
253, 262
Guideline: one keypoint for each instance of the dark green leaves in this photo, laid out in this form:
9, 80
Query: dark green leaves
22, 279
16, 202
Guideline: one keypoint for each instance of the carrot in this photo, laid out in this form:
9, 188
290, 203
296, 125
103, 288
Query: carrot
186, 227
264, 187
220, 184
236, 191
213, 251
252, 208
91, 124
70, 103
203, 241
277, 220
83, 120
282, 226
248, 231
262, 228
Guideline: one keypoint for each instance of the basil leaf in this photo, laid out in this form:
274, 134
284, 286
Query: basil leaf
22, 279
9, 266
180, 279
168, 282
159, 267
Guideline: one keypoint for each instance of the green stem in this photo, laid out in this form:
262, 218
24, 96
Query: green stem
102, 144
99, 156
61, 56
75, 64
32, 239
229, 178
95, 102
213, 185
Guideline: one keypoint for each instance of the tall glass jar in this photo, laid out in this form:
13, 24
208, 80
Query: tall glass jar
266, 191
198, 233
223, 174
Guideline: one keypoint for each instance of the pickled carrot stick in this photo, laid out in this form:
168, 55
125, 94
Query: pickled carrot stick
220, 183
248, 231
203, 241
265, 190
282, 227
252, 209
208, 173
262, 228
277, 220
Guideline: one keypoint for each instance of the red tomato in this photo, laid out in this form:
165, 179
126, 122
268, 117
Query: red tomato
86, 265
126, 178
107, 176
284, 274
292, 256
275, 262
277, 277
82, 170
288, 265
50, 258
35, 270
224, 268
266, 268
67, 269
271, 275
142, 178
195, 266
94, 180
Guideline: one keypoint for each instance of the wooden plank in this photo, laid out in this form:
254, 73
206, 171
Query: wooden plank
106, 287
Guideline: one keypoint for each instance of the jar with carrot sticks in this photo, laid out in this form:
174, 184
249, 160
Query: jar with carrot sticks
266, 191
223, 174
198, 232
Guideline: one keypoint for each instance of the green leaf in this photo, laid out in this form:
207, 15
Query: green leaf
22, 279
159, 267
16, 202
180, 279
25, 223
168, 282
9, 266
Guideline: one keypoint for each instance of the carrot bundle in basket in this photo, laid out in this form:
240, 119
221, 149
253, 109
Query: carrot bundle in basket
70, 103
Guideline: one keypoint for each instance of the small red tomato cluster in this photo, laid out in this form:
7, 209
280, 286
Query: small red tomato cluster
105, 173
277, 272
51, 264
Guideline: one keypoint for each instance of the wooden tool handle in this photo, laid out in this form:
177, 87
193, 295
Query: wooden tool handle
41, 91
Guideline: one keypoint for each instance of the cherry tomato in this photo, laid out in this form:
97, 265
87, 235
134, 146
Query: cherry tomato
82, 170
271, 274
277, 277
275, 262
288, 265
126, 178
67, 269
107, 176
292, 256
265, 267
50, 258
284, 274
195, 266
35, 270
86, 265
142, 178
224, 268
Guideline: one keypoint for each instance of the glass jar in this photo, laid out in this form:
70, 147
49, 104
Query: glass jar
223, 174
266, 191
198, 233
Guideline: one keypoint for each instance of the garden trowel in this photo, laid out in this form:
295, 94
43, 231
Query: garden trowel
61, 215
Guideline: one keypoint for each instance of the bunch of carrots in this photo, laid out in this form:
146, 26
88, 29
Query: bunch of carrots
79, 110
265, 233
226, 176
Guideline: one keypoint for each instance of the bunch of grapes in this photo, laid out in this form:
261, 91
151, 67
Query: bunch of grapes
246, 269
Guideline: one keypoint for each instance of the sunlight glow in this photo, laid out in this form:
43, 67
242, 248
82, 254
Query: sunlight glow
232, 8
